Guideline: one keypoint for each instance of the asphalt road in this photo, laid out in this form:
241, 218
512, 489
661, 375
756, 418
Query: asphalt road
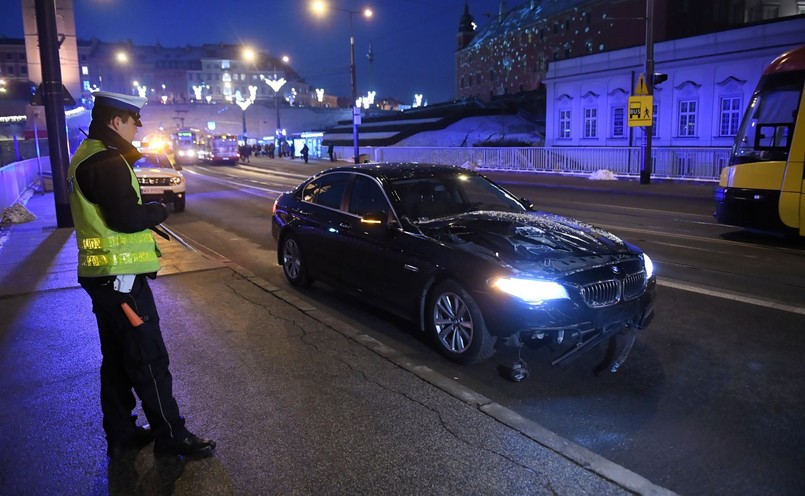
710, 400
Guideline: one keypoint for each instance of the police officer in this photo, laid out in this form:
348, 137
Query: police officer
117, 254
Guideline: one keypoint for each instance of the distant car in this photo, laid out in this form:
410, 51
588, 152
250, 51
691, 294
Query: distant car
160, 180
464, 259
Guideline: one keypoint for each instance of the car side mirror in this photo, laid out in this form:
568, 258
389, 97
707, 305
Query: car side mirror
527, 203
373, 220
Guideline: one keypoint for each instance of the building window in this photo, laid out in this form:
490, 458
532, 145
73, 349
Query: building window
800, 7
588, 47
730, 116
618, 131
564, 124
84, 70
687, 118
770, 10
590, 123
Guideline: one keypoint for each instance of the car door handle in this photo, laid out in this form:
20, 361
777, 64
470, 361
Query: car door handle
345, 225
306, 213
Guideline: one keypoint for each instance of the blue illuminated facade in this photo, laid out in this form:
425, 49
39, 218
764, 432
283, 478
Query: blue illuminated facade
710, 79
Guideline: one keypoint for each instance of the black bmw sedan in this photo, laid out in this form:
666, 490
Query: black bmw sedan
464, 259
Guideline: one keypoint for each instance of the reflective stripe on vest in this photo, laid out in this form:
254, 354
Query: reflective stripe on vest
101, 250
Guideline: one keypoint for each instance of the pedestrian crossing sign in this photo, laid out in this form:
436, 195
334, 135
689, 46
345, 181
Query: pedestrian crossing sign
640, 108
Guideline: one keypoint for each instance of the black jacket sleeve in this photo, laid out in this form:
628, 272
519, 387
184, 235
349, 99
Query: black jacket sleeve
105, 179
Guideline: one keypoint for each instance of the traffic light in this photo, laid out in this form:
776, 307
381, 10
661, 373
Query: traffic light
657, 78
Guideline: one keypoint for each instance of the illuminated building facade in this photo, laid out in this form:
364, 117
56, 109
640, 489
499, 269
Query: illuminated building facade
710, 80
511, 52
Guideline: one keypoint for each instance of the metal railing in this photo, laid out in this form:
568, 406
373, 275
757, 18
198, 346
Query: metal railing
16, 178
668, 162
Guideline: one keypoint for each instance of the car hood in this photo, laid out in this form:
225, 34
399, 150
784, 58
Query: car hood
156, 172
536, 243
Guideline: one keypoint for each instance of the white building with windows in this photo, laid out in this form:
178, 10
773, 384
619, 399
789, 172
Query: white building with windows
710, 81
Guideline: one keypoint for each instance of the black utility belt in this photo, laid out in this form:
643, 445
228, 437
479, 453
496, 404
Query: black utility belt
109, 280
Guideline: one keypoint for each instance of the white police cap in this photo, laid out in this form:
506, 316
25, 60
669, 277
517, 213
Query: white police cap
129, 103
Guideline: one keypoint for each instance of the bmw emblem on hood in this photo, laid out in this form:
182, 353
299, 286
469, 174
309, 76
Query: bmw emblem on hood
616, 269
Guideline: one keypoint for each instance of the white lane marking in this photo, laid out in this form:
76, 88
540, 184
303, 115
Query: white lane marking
237, 184
728, 295
264, 170
611, 227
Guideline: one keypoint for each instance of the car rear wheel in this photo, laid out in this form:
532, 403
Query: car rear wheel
293, 262
457, 326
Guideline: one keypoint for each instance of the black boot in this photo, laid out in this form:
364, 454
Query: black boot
191, 445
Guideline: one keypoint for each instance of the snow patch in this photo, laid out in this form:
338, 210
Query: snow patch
603, 175
17, 214
472, 131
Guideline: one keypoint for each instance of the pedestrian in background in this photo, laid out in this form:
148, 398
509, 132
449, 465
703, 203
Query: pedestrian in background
292, 150
245, 152
331, 151
117, 254
305, 152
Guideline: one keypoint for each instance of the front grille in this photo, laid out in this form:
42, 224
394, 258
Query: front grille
154, 181
634, 285
602, 293
611, 291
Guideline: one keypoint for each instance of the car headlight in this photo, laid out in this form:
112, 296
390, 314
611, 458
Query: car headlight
649, 266
531, 290
176, 180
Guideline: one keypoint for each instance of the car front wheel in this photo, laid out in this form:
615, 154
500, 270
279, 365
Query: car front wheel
457, 326
178, 205
293, 262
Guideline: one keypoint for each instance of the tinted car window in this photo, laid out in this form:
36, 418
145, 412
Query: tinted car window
366, 197
326, 190
439, 196
159, 161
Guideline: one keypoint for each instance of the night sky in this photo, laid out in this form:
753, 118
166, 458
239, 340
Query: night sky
414, 41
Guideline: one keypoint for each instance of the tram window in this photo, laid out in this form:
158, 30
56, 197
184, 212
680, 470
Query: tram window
772, 136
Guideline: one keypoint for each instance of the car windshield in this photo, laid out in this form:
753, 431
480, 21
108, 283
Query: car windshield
432, 197
159, 161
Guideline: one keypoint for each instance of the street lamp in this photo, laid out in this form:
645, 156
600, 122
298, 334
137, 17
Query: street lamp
320, 7
244, 103
276, 85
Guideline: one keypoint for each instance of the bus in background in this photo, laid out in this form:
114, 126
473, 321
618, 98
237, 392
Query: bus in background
762, 187
185, 143
219, 148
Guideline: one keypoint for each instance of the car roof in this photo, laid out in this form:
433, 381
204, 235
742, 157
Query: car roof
400, 170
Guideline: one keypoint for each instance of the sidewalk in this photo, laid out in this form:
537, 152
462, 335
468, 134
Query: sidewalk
297, 400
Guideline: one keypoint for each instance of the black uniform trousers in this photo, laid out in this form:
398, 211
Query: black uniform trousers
133, 358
